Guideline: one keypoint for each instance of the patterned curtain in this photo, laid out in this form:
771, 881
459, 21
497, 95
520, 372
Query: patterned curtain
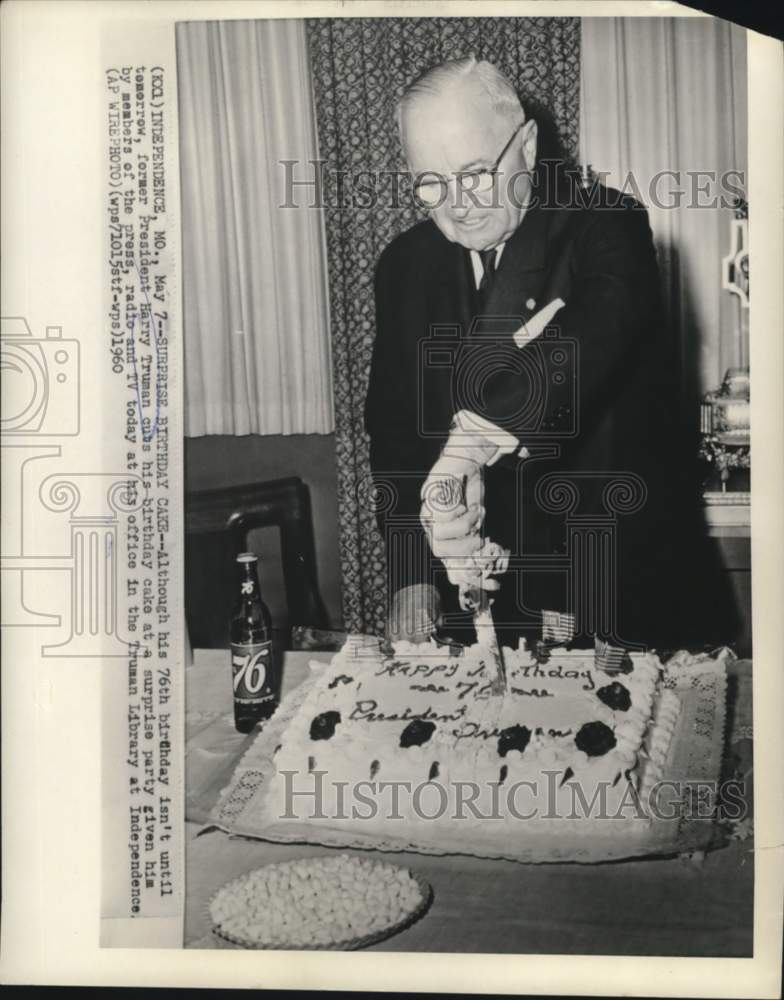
360, 68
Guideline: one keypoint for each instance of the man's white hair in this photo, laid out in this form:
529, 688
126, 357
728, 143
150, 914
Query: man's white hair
501, 94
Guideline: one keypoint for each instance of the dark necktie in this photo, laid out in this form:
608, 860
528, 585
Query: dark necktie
487, 258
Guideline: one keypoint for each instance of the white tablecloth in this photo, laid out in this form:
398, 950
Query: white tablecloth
646, 907
213, 745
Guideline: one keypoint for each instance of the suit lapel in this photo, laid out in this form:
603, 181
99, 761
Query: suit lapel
522, 264
518, 279
457, 298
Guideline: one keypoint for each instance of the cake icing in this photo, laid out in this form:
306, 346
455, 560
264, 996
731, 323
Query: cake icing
427, 721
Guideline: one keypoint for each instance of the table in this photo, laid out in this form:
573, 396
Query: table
672, 907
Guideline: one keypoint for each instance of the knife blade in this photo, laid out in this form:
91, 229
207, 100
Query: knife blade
486, 637
479, 601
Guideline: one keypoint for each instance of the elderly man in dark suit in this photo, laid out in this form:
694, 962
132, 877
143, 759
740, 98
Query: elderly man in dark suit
520, 356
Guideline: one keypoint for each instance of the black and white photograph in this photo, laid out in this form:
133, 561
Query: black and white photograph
384, 565
467, 485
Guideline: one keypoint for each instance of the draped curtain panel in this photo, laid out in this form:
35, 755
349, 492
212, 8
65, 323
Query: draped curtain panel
360, 68
257, 347
669, 94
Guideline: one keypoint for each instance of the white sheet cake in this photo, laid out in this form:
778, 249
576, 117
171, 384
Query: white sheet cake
566, 743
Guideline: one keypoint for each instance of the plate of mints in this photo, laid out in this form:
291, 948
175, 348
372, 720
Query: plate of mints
331, 902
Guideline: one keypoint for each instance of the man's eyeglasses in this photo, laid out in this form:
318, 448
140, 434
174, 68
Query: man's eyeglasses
432, 190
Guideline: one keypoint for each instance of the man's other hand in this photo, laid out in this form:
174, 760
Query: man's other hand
415, 613
452, 512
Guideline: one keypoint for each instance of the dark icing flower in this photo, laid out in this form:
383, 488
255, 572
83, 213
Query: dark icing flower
595, 739
417, 732
340, 679
323, 726
615, 696
513, 738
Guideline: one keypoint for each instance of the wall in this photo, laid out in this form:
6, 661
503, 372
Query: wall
217, 460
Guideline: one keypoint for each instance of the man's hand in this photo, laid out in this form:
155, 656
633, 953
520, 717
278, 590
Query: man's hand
415, 614
452, 511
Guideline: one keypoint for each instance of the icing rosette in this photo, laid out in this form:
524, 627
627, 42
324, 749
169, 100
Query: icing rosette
660, 737
425, 717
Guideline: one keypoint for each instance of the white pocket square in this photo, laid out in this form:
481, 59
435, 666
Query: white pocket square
533, 327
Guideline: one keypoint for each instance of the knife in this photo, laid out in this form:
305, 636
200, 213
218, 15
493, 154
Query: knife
479, 600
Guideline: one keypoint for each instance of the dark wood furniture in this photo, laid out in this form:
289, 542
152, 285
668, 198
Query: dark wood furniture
729, 527
217, 525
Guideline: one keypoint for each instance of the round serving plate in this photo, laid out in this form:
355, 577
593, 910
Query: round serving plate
344, 944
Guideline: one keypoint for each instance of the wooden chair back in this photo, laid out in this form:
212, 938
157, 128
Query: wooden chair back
217, 525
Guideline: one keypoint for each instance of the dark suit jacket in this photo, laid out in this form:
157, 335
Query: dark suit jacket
594, 401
